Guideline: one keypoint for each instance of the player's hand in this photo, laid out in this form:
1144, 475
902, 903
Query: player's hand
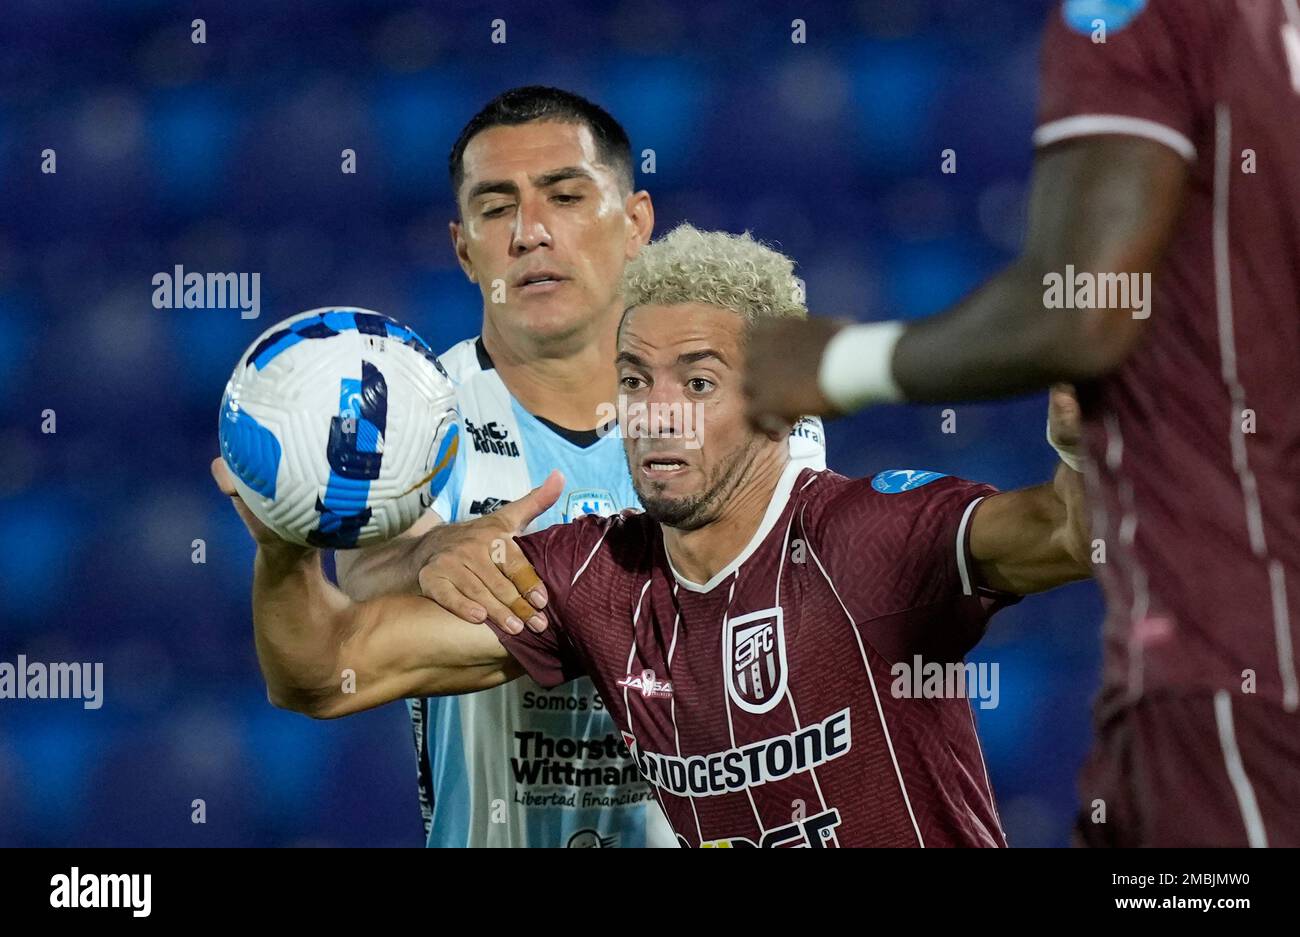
783, 357
1064, 416
266, 539
226, 482
476, 571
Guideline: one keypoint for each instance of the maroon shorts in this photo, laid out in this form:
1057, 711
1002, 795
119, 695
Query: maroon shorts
1194, 770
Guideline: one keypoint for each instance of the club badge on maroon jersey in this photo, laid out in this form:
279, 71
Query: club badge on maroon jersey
753, 646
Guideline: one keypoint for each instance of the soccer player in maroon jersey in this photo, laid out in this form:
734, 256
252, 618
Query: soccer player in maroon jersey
1169, 155
760, 633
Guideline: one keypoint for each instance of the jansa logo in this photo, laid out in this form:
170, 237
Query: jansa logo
646, 684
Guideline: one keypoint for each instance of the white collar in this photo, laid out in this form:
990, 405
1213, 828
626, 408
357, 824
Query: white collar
780, 497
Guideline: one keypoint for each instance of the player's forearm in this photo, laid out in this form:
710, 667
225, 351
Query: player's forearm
1074, 532
1024, 541
391, 568
1053, 543
1104, 207
402, 646
326, 656
1002, 340
299, 620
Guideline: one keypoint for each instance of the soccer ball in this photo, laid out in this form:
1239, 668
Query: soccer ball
339, 426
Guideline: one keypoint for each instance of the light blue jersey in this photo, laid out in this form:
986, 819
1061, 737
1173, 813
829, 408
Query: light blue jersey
519, 765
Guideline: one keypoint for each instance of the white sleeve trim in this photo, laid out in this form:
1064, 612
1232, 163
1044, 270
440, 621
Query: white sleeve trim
1090, 125
961, 546
587, 562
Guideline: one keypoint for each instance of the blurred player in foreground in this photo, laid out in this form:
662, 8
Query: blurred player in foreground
758, 633
1161, 271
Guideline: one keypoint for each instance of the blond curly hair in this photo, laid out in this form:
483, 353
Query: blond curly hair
732, 271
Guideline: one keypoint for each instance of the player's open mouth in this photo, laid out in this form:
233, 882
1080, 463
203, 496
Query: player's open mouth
662, 466
541, 281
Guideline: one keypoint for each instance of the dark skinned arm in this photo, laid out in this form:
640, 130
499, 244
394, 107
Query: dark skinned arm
1103, 204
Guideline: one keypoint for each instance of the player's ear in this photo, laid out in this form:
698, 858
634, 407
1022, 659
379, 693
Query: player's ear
641, 221
461, 247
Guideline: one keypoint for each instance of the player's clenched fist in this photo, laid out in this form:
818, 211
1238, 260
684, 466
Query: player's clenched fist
476, 571
782, 360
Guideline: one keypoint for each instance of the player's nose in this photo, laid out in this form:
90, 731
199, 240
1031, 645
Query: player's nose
664, 411
530, 230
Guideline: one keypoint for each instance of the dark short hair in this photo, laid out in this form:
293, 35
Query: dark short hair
535, 103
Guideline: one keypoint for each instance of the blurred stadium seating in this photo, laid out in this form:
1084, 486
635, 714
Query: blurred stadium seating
225, 156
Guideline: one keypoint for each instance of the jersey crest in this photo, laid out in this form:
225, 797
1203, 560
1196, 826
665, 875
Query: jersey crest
754, 647
597, 501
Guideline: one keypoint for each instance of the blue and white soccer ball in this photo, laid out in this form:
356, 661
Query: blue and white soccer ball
339, 426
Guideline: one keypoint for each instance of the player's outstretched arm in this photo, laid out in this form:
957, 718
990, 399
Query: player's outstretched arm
1104, 205
1025, 541
1035, 539
473, 569
325, 655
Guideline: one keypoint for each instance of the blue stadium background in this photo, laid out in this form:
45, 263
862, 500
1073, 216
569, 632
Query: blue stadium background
225, 156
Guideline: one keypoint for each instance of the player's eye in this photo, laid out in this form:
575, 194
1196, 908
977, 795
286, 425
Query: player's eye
700, 385
564, 198
631, 382
496, 210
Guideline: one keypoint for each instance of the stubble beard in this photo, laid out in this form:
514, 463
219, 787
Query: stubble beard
692, 512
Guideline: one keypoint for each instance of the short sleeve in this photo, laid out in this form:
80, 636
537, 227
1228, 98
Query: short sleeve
558, 554
935, 563
1140, 81
896, 547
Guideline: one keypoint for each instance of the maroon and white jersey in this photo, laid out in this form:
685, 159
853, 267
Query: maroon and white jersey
1196, 439
761, 705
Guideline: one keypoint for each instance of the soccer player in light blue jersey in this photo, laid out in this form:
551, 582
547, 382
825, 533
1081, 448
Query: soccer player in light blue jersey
548, 216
